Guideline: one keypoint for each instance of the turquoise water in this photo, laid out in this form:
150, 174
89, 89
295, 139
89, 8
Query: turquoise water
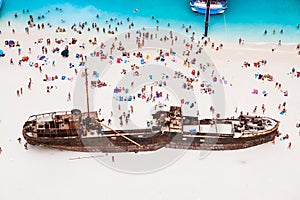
247, 19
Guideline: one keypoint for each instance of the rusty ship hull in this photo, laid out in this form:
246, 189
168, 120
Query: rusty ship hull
72, 132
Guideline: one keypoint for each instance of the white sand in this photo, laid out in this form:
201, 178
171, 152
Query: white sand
264, 172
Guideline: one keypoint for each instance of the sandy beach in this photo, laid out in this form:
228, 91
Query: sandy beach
249, 75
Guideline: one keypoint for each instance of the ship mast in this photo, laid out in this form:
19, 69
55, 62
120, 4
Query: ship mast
87, 92
207, 13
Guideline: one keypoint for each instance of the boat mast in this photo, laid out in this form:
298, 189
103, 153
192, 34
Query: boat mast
207, 13
87, 92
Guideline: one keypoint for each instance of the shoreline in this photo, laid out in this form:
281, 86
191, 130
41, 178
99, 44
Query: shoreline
55, 16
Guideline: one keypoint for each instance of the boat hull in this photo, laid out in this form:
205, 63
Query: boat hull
157, 141
101, 144
215, 9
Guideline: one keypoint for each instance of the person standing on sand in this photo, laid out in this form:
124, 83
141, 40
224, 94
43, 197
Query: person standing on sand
290, 145
254, 110
19, 140
29, 84
69, 96
131, 108
263, 108
26, 146
240, 41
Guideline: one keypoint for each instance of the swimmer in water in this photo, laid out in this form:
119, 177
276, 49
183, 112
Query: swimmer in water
136, 10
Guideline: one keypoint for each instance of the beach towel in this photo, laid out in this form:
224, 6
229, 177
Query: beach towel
255, 91
42, 57
264, 93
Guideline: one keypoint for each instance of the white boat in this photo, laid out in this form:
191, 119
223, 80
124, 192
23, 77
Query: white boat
216, 6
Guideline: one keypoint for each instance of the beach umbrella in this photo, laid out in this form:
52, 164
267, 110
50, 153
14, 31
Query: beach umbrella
65, 53
11, 42
1, 53
42, 57
25, 58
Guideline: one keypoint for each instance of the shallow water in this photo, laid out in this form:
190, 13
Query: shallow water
247, 19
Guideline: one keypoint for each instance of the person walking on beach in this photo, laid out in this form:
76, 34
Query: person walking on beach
0, 150
19, 140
